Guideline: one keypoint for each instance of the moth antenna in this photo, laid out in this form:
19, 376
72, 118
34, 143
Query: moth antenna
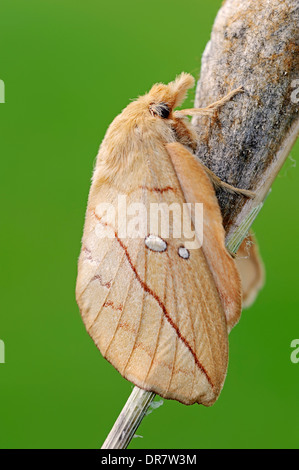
180, 86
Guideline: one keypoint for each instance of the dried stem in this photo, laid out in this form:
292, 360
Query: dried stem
254, 44
129, 419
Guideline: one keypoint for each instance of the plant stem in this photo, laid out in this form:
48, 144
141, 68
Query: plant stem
129, 419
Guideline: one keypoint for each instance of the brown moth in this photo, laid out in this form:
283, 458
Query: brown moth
157, 310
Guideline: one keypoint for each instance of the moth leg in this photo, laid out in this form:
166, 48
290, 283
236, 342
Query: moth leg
233, 255
186, 135
209, 110
232, 189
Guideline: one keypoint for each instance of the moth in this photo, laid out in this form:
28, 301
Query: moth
158, 311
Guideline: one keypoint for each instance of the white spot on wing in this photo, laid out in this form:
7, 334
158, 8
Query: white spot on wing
155, 243
183, 252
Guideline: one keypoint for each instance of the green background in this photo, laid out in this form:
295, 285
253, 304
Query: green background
69, 68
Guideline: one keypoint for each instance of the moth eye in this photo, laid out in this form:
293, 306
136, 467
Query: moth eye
161, 109
183, 252
155, 243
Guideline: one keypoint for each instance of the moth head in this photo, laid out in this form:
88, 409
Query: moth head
153, 113
163, 99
